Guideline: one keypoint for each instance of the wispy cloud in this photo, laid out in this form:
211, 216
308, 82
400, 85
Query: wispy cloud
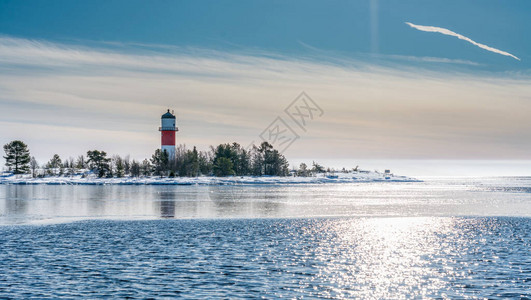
459, 36
384, 59
69, 99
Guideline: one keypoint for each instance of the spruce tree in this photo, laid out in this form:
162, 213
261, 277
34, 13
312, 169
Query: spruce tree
223, 167
135, 168
205, 163
55, 165
160, 162
17, 157
118, 166
146, 167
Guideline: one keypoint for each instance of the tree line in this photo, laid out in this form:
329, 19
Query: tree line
222, 160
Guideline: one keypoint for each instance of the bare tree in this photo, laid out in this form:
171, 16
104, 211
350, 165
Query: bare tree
34, 166
127, 165
81, 163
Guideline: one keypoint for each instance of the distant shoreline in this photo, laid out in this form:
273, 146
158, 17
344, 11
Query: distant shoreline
207, 180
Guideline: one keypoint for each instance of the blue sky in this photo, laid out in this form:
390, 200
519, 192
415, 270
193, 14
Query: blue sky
350, 28
89, 73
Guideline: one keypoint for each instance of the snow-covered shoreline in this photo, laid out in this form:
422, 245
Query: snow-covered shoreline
352, 177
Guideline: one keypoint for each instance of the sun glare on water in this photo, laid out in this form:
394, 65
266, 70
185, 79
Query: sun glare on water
383, 257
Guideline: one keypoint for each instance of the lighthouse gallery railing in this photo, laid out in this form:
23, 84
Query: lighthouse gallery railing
168, 129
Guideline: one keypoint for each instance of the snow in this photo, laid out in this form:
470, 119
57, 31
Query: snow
351, 177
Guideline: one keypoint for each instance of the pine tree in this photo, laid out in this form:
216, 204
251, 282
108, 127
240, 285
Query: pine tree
238, 157
317, 168
268, 161
99, 162
17, 157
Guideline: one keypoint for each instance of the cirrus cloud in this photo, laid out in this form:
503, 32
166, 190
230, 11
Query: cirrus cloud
459, 36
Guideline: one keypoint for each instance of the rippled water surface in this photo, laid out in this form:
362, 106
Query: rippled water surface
440, 238
335, 257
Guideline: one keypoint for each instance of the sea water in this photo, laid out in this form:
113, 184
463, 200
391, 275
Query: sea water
444, 237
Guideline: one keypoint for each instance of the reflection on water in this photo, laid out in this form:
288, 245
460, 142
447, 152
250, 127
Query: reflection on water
167, 204
16, 201
167, 209
20, 204
382, 258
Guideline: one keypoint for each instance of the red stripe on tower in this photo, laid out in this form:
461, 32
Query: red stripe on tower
167, 138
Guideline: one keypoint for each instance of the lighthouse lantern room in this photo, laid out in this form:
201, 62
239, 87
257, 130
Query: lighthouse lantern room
168, 130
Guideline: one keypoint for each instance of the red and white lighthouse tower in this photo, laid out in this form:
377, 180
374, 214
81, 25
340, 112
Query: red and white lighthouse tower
168, 130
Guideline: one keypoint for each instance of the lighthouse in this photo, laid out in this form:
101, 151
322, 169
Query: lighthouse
168, 130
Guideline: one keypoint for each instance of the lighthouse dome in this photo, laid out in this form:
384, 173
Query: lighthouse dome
168, 115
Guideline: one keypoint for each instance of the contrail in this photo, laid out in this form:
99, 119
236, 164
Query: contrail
461, 37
